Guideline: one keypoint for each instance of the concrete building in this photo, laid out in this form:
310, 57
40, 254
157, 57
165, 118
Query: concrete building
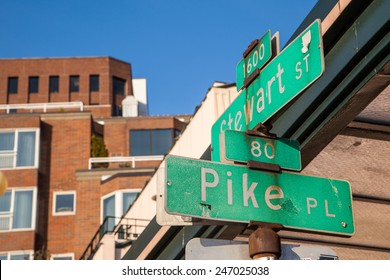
72, 160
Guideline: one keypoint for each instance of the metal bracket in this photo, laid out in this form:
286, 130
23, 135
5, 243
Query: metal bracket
264, 166
251, 46
251, 78
262, 130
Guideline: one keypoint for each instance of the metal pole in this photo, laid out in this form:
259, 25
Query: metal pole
264, 244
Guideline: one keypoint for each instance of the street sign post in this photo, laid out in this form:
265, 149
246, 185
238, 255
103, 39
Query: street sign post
256, 59
292, 71
237, 146
218, 191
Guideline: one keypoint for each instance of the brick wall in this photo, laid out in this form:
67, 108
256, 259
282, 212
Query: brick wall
105, 67
66, 148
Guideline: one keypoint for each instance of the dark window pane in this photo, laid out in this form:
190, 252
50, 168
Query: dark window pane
12, 85
140, 143
94, 83
54, 84
74, 83
118, 86
161, 141
64, 203
116, 110
33, 84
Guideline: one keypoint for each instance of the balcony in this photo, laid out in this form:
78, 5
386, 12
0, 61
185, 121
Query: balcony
41, 107
124, 233
122, 161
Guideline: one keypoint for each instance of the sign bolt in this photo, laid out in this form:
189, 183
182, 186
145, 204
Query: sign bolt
344, 224
169, 183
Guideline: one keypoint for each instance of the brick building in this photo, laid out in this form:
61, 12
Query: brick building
51, 110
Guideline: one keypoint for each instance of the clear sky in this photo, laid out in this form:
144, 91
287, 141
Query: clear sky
180, 46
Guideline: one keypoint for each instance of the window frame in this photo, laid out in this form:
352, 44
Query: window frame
150, 147
64, 213
51, 83
30, 253
118, 199
115, 87
14, 151
72, 86
96, 87
32, 87
62, 255
12, 210
11, 86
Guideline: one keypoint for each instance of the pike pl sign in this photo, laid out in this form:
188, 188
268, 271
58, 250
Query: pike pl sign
235, 193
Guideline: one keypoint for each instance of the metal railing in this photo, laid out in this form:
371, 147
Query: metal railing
42, 106
131, 160
129, 229
94, 245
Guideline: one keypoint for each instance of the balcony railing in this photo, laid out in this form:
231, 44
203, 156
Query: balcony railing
129, 229
9, 108
130, 160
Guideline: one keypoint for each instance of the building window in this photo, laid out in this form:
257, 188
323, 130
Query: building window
74, 83
33, 84
12, 85
115, 204
93, 83
118, 86
62, 257
64, 203
18, 148
151, 142
17, 255
54, 84
17, 209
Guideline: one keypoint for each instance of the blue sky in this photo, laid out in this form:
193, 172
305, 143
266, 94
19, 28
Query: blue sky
181, 47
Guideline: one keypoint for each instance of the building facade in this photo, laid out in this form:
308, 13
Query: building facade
73, 161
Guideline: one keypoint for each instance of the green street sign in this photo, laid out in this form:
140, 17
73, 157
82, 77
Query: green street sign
256, 59
280, 81
217, 191
234, 118
238, 146
292, 71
